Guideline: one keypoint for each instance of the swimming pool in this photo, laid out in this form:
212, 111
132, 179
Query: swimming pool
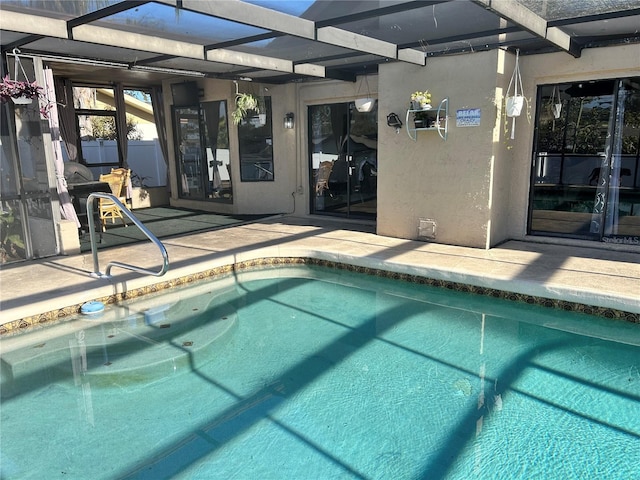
306, 372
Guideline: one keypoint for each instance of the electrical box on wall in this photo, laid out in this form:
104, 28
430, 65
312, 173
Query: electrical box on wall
426, 229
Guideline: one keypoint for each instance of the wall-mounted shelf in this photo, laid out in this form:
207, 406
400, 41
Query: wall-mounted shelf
435, 119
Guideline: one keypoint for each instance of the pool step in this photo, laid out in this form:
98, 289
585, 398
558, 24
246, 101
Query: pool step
141, 346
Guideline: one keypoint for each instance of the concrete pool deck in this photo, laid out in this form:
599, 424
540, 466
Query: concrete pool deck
606, 279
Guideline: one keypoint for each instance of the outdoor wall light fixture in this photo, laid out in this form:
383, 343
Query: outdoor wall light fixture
288, 120
394, 121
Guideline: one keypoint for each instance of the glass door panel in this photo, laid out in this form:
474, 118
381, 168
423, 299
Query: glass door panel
218, 185
571, 145
622, 224
202, 143
363, 162
189, 154
343, 160
327, 130
586, 164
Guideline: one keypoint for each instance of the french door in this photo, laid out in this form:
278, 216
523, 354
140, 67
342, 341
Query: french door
343, 160
586, 175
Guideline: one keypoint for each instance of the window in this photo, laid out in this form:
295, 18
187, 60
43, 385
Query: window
97, 128
144, 155
256, 145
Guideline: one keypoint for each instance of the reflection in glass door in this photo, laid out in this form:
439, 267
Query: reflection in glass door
586, 179
202, 143
189, 154
343, 160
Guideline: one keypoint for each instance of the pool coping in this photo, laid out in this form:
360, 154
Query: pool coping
542, 295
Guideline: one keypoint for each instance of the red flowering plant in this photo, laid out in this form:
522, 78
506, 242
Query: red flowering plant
17, 89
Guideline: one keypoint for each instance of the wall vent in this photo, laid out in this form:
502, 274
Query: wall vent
426, 229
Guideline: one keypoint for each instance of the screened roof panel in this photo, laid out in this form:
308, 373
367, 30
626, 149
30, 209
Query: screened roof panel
184, 25
66, 9
562, 9
294, 49
263, 38
426, 23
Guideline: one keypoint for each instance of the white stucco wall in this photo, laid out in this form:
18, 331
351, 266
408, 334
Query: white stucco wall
447, 181
502, 163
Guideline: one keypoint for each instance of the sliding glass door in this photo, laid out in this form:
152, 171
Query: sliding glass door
202, 143
343, 160
586, 178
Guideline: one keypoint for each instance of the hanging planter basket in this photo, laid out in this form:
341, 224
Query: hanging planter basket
21, 92
514, 106
365, 104
22, 100
244, 103
515, 99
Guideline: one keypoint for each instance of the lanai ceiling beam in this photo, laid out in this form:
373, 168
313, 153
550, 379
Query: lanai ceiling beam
249, 60
137, 41
33, 24
252, 15
329, 22
230, 43
159, 58
279, 23
118, 38
343, 38
261, 17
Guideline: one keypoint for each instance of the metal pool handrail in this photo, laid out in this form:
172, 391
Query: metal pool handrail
138, 223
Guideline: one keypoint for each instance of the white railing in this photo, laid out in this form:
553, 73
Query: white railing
94, 250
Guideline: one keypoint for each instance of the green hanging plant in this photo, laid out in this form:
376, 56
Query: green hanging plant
244, 103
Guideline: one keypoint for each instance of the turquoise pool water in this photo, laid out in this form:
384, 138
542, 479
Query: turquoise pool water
307, 373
